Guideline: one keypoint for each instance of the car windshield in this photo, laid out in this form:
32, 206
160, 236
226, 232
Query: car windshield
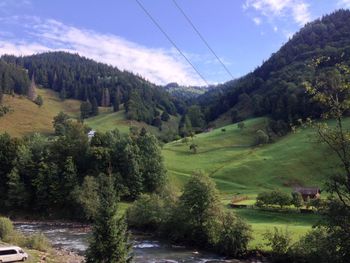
21, 251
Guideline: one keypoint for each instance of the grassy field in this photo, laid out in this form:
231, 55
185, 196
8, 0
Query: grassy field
261, 221
27, 117
240, 169
108, 120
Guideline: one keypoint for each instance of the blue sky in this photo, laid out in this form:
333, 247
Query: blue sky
243, 33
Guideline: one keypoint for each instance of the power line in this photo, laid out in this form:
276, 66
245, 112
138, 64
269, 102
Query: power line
171, 41
203, 39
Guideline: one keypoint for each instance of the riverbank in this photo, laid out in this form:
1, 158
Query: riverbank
70, 243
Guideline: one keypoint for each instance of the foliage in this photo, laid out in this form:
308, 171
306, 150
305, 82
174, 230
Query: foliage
194, 148
60, 122
13, 79
297, 199
272, 88
315, 247
87, 197
241, 125
6, 228
110, 239
261, 138
39, 101
165, 116
278, 240
37, 242
80, 78
332, 90
148, 212
85, 110
49, 175
195, 218
273, 198
185, 126
4, 110
234, 236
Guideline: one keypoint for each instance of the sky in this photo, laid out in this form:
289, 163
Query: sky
242, 33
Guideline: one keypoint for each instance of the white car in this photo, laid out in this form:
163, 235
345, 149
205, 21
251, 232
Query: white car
12, 254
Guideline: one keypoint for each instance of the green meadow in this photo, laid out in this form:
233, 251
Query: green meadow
238, 168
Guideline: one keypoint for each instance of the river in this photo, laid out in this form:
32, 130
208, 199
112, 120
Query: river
146, 249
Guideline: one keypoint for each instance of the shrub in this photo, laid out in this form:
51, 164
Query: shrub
278, 240
39, 101
241, 125
261, 138
234, 236
297, 199
273, 198
6, 228
37, 242
147, 212
314, 247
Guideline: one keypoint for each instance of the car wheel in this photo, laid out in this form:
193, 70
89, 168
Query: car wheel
23, 259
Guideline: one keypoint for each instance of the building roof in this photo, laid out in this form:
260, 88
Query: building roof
307, 190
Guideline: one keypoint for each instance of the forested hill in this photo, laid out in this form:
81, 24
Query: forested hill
80, 78
276, 88
186, 92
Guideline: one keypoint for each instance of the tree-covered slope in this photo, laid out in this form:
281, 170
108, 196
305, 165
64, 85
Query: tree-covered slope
276, 88
77, 77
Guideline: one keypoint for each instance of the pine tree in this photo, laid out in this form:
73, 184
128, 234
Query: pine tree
16, 194
116, 102
94, 107
107, 98
1, 94
63, 94
69, 177
110, 238
31, 91
85, 109
103, 99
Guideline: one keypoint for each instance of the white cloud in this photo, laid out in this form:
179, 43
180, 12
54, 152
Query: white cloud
160, 66
257, 20
297, 9
275, 28
344, 3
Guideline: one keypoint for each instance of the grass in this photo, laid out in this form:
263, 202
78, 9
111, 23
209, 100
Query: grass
261, 221
108, 120
27, 117
238, 168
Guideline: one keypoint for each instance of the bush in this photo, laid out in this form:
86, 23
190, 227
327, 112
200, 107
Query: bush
6, 228
241, 125
273, 198
314, 247
278, 240
297, 199
234, 236
261, 138
147, 212
4, 110
39, 101
37, 242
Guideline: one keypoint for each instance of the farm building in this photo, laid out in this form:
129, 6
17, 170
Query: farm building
308, 192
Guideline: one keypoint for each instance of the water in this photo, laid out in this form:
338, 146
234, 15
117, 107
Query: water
146, 249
